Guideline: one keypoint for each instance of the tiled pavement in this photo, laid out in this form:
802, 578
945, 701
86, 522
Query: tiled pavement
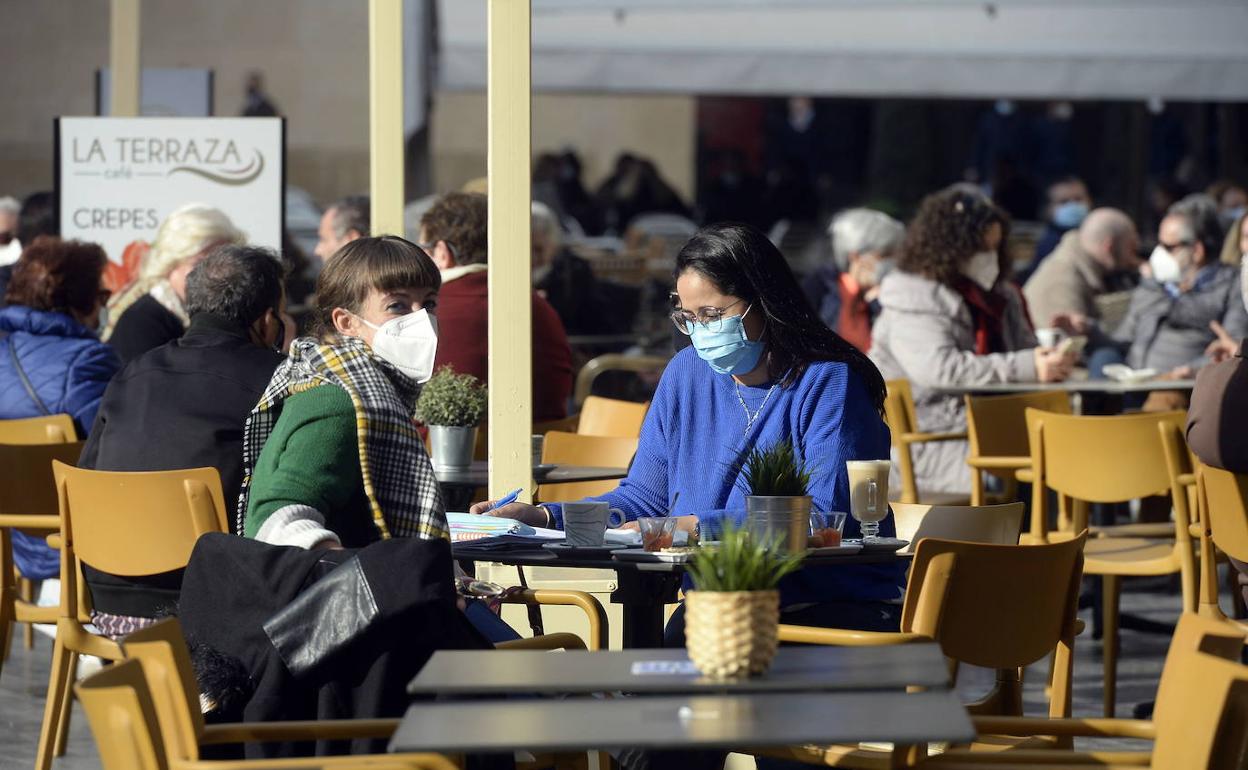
24, 681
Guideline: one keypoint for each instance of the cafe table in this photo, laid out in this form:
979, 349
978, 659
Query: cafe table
810, 695
478, 474
1082, 387
642, 588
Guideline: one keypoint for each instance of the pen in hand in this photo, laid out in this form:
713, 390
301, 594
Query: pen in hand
507, 499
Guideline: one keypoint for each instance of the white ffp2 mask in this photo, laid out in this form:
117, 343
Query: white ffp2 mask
1166, 269
410, 342
984, 268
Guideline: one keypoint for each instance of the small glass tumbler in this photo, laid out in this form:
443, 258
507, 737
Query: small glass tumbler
657, 532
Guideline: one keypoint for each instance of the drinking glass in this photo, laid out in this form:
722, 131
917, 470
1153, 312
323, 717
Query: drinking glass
868, 495
657, 532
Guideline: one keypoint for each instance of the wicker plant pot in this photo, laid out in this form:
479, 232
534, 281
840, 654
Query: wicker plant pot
732, 634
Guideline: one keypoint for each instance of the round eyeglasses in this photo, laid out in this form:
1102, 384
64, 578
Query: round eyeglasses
712, 318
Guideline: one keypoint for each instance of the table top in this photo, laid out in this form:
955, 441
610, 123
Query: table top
683, 722
1072, 386
542, 558
478, 474
795, 669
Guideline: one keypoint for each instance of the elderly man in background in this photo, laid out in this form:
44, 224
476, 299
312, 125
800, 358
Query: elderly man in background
1063, 291
1170, 323
342, 222
864, 244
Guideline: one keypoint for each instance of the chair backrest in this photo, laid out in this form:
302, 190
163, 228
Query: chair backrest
611, 417
171, 682
52, 429
611, 362
899, 407
27, 487
605, 451
996, 524
1201, 710
998, 606
996, 426
1224, 500
123, 720
132, 524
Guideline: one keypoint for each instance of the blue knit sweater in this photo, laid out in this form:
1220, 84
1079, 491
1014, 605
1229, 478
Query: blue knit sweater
694, 440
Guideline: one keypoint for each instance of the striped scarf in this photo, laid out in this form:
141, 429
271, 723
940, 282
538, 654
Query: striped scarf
399, 482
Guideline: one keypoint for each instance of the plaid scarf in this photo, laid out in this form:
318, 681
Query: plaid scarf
402, 489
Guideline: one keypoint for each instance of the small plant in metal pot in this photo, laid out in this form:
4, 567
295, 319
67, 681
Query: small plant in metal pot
776, 481
732, 616
452, 405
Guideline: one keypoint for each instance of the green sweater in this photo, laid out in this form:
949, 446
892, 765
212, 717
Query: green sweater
309, 469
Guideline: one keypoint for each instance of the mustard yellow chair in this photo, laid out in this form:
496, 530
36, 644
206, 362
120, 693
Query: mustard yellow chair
594, 451
1112, 460
1198, 721
903, 423
611, 417
996, 427
998, 606
127, 524
994, 524
53, 429
27, 504
1223, 529
128, 724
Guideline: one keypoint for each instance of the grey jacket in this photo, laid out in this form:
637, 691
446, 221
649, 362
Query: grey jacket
1165, 331
1067, 281
925, 335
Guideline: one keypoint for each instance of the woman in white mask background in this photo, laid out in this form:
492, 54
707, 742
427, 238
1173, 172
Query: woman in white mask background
952, 318
332, 456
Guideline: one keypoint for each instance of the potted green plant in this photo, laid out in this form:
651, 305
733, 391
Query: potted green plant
451, 405
732, 615
777, 503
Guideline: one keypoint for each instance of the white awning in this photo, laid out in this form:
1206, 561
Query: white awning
1073, 49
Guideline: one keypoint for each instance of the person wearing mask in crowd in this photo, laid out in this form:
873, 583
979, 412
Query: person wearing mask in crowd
1231, 198
453, 233
1063, 292
343, 222
951, 319
1168, 324
331, 454
51, 361
845, 292
151, 310
10, 244
761, 368
183, 404
1068, 202
36, 217
585, 305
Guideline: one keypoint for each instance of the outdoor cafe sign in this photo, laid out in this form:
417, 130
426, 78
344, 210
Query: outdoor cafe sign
118, 178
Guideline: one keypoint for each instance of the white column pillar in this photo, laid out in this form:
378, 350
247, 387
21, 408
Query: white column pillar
123, 58
385, 115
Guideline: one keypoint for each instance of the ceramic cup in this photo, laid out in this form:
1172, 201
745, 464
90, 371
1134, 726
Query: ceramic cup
585, 523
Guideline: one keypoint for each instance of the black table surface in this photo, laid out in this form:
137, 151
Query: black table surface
795, 669
683, 722
478, 474
539, 557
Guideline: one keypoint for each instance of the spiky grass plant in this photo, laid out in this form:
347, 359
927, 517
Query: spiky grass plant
741, 562
776, 471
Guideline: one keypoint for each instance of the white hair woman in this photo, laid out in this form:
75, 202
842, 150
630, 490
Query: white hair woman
149, 312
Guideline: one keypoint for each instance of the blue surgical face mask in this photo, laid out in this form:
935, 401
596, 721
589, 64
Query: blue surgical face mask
1070, 214
729, 350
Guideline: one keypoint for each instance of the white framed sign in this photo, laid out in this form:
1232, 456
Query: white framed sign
118, 178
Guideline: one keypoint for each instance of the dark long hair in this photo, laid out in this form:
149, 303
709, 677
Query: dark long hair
741, 262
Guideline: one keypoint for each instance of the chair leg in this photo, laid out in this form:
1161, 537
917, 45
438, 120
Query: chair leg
26, 592
59, 682
67, 704
1109, 642
8, 593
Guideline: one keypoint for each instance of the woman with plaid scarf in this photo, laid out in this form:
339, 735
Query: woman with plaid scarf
331, 456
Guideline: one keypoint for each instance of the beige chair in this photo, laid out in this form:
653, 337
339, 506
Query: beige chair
594, 451
1199, 719
1223, 529
997, 431
996, 524
1089, 460
904, 425
127, 524
129, 724
53, 429
611, 417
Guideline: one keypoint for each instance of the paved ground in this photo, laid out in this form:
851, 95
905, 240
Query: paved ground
24, 681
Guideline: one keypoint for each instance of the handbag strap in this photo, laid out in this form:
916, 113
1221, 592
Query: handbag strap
21, 375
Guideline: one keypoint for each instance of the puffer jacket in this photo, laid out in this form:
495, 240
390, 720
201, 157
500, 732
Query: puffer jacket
69, 368
925, 335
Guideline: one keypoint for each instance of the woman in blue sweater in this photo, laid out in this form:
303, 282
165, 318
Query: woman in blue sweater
761, 367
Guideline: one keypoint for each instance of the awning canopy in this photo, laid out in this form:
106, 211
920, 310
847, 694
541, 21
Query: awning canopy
1037, 49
